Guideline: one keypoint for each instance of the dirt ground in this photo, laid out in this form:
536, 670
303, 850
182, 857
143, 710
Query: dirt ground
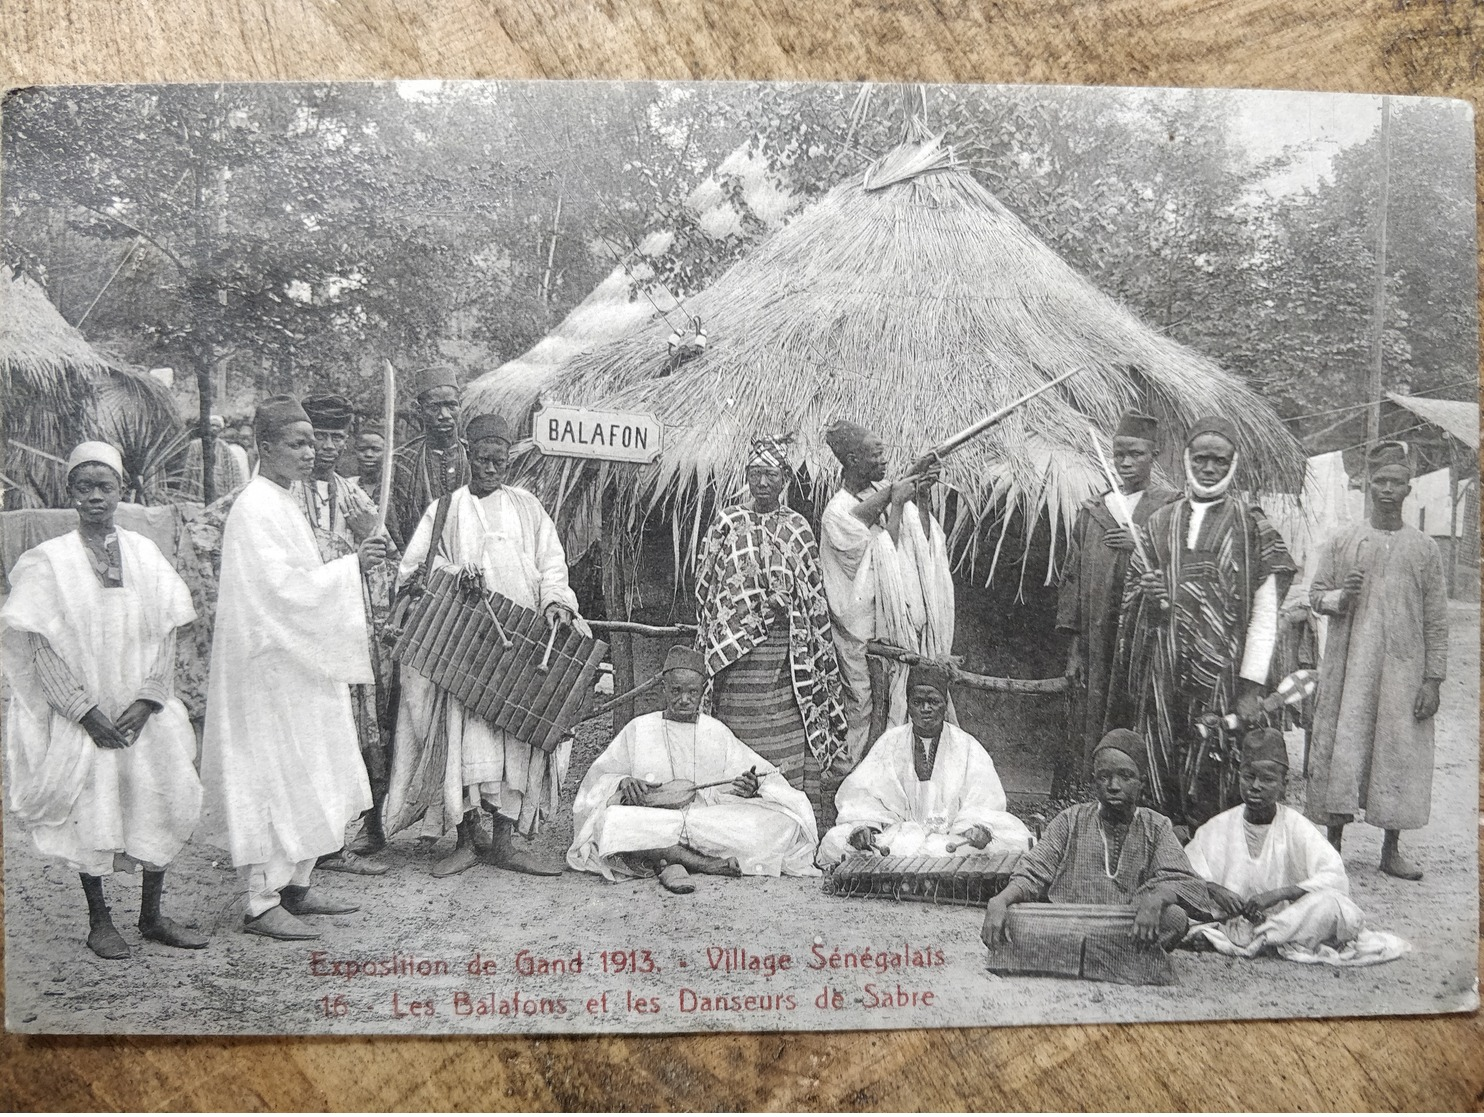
489, 951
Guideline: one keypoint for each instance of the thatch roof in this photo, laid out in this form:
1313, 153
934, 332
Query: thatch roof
910, 300
58, 391
1459, 419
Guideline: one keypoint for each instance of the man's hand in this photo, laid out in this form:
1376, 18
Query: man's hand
745, 786
372, 552
104, 733
1256, 909
901, 491
557, 614
1249, 701
862, 838
1146, 919
996, 929
1227, 902
1426, 702
1152, 587
1118, 539
1074, 662
131, 721
634, 792
1350, 589
976, 836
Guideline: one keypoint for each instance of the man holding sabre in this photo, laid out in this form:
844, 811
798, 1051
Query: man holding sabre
1092, 583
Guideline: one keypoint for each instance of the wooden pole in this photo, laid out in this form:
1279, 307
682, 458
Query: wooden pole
1453, 532
1378, 310
615, 605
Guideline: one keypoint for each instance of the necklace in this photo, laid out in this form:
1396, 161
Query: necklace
1110, 858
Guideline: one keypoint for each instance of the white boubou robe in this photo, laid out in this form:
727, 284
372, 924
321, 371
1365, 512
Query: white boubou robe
923, 817
83, 804
900, 593
769, 835
512, 540
1324, 925
281, 763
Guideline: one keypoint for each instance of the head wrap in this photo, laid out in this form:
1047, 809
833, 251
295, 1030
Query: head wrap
275, 414
844, 438
1135, 425
1264, 744
1212, 424
483, 428
769, 450
99, 453
928, 674
681, 658
1384, 454
372, 426
424, 380
329, 412
1130, 744
217, 423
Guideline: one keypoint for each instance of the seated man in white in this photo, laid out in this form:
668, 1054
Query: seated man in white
744, 819
1274, 880
926, 788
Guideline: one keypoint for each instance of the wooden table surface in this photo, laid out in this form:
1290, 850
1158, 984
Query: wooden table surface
1396, 46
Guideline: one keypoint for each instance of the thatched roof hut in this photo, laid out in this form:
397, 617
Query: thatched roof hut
908, 299
58, 391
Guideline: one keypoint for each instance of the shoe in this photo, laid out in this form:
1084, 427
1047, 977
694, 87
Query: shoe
299, 900
508, 857
463, 857
348, 861
275, 923
676, 879
170, 933
106, 942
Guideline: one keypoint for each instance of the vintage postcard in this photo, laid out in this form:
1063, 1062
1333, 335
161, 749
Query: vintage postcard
494, 557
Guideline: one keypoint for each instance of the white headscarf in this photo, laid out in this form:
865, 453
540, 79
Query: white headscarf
101, 453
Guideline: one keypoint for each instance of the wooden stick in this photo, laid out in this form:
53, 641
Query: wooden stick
613, 703
967, 678
545, 664
1119, 500
643, 629
389, 435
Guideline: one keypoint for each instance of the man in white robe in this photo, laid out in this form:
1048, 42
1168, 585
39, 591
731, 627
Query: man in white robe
925, 787
750, 823
100, 754
1274, 879
504, 535
281, 762
886, 575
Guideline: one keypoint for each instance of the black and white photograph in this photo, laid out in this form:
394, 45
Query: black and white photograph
505, 557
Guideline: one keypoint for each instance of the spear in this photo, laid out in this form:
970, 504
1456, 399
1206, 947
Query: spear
389, 418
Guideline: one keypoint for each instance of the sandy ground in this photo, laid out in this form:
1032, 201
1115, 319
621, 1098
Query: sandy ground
490, 951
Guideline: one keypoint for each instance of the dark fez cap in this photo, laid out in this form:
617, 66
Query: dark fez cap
329, 412
928, 674
1130, 744
424, 380
681, 658
1212, 424
1265, 744
1383, 454
275, 414
1132, 424
482, 428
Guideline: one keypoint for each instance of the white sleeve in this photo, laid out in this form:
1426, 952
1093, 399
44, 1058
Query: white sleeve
1262, 632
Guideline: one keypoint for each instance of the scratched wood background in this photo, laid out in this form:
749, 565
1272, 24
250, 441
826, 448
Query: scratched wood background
1397, 46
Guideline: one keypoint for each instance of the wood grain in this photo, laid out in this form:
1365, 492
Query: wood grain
1404, 46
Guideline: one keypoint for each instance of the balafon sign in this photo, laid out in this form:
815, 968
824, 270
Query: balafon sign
615, 436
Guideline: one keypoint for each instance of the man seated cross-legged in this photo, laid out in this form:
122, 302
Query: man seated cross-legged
1276, 883
1111, 852
925, 788
633, 816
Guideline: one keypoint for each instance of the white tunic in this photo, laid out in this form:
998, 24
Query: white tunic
512, 540
281, 764
922, 816
81, 803
899, 592
769, 835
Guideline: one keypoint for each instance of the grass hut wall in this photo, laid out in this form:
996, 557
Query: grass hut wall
59, 391
910, 300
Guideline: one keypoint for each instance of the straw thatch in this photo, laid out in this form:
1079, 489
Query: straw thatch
59, 391
909, 300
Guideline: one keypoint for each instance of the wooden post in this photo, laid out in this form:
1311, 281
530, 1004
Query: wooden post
1378, 311
1452, 518
616, 606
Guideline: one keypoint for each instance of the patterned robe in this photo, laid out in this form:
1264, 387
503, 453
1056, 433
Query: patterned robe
420, 475
1175, 667
757, 566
